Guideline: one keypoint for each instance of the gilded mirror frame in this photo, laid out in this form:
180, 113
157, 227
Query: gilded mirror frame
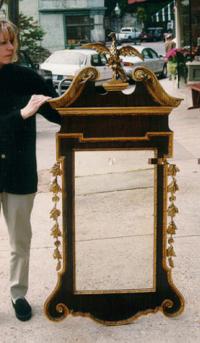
113, 120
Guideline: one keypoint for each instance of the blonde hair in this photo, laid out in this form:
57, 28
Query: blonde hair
9, 31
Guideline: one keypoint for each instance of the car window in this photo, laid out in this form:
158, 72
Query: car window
98, 60
95, 60
146, 54
153, 53
24, 60
126, 30
103, 60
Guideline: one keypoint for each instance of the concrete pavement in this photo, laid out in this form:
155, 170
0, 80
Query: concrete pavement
99, 187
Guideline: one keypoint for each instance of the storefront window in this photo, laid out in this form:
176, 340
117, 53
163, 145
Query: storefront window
195, 19
190, 22
184, 20
78, 29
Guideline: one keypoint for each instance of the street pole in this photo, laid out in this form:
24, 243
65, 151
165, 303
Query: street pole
13, 11
190, 26
117, 12
177, 23
1, 3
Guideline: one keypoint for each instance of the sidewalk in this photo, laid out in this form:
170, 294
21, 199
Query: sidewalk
155, 328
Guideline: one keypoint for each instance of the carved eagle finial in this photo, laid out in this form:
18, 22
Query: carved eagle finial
114, 54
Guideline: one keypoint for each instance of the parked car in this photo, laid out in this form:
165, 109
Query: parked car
128, 34
152, 60
65, 64
25, 60
152, 34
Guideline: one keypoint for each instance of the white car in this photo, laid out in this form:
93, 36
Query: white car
65, 64
128, 34
151, 60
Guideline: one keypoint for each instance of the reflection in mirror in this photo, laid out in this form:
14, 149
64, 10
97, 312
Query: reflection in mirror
114, 221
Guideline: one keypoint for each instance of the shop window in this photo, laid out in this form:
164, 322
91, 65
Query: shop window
78, 29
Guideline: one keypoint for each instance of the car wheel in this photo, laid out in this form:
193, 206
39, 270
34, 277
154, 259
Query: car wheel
131, 81
163, 73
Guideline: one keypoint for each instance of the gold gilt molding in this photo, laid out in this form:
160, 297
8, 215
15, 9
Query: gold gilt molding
115, 111
169, 230
154, 87
55, 213
147, 137
141, 74
64, 311
76, 87
172, 210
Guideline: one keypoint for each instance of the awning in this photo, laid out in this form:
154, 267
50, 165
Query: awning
130, 2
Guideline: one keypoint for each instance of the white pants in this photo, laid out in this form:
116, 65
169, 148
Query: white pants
17, 211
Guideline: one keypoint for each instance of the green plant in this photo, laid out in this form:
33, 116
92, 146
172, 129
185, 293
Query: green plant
177, 59
31, 36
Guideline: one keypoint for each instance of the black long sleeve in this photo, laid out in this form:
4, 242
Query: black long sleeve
18, 166
17, 85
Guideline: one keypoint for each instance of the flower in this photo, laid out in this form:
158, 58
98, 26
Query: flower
178, 55
195, 52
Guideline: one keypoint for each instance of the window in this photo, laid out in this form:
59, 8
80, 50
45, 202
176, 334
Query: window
146, 54
98, 60
95, 60
78, 29
103, 60
152, 53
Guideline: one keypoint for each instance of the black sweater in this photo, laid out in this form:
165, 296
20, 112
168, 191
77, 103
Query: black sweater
18, 168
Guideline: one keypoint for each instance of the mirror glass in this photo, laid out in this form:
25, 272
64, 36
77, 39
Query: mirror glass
114, 221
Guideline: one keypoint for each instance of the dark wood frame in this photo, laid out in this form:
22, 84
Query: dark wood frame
118, 121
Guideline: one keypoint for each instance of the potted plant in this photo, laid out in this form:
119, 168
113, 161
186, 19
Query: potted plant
176, 64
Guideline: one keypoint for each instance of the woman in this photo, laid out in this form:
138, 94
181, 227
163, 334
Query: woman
169, 43
22, 93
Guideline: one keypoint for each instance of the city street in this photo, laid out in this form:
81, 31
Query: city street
159, 47
113, 191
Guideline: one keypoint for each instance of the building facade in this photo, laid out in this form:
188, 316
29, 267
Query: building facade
67, 22
71, 22
29, 8
187, 14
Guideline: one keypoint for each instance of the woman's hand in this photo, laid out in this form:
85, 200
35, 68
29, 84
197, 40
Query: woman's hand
33, 105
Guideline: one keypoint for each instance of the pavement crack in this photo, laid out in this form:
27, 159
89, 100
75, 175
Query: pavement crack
130, 171
112, 237
116, 190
